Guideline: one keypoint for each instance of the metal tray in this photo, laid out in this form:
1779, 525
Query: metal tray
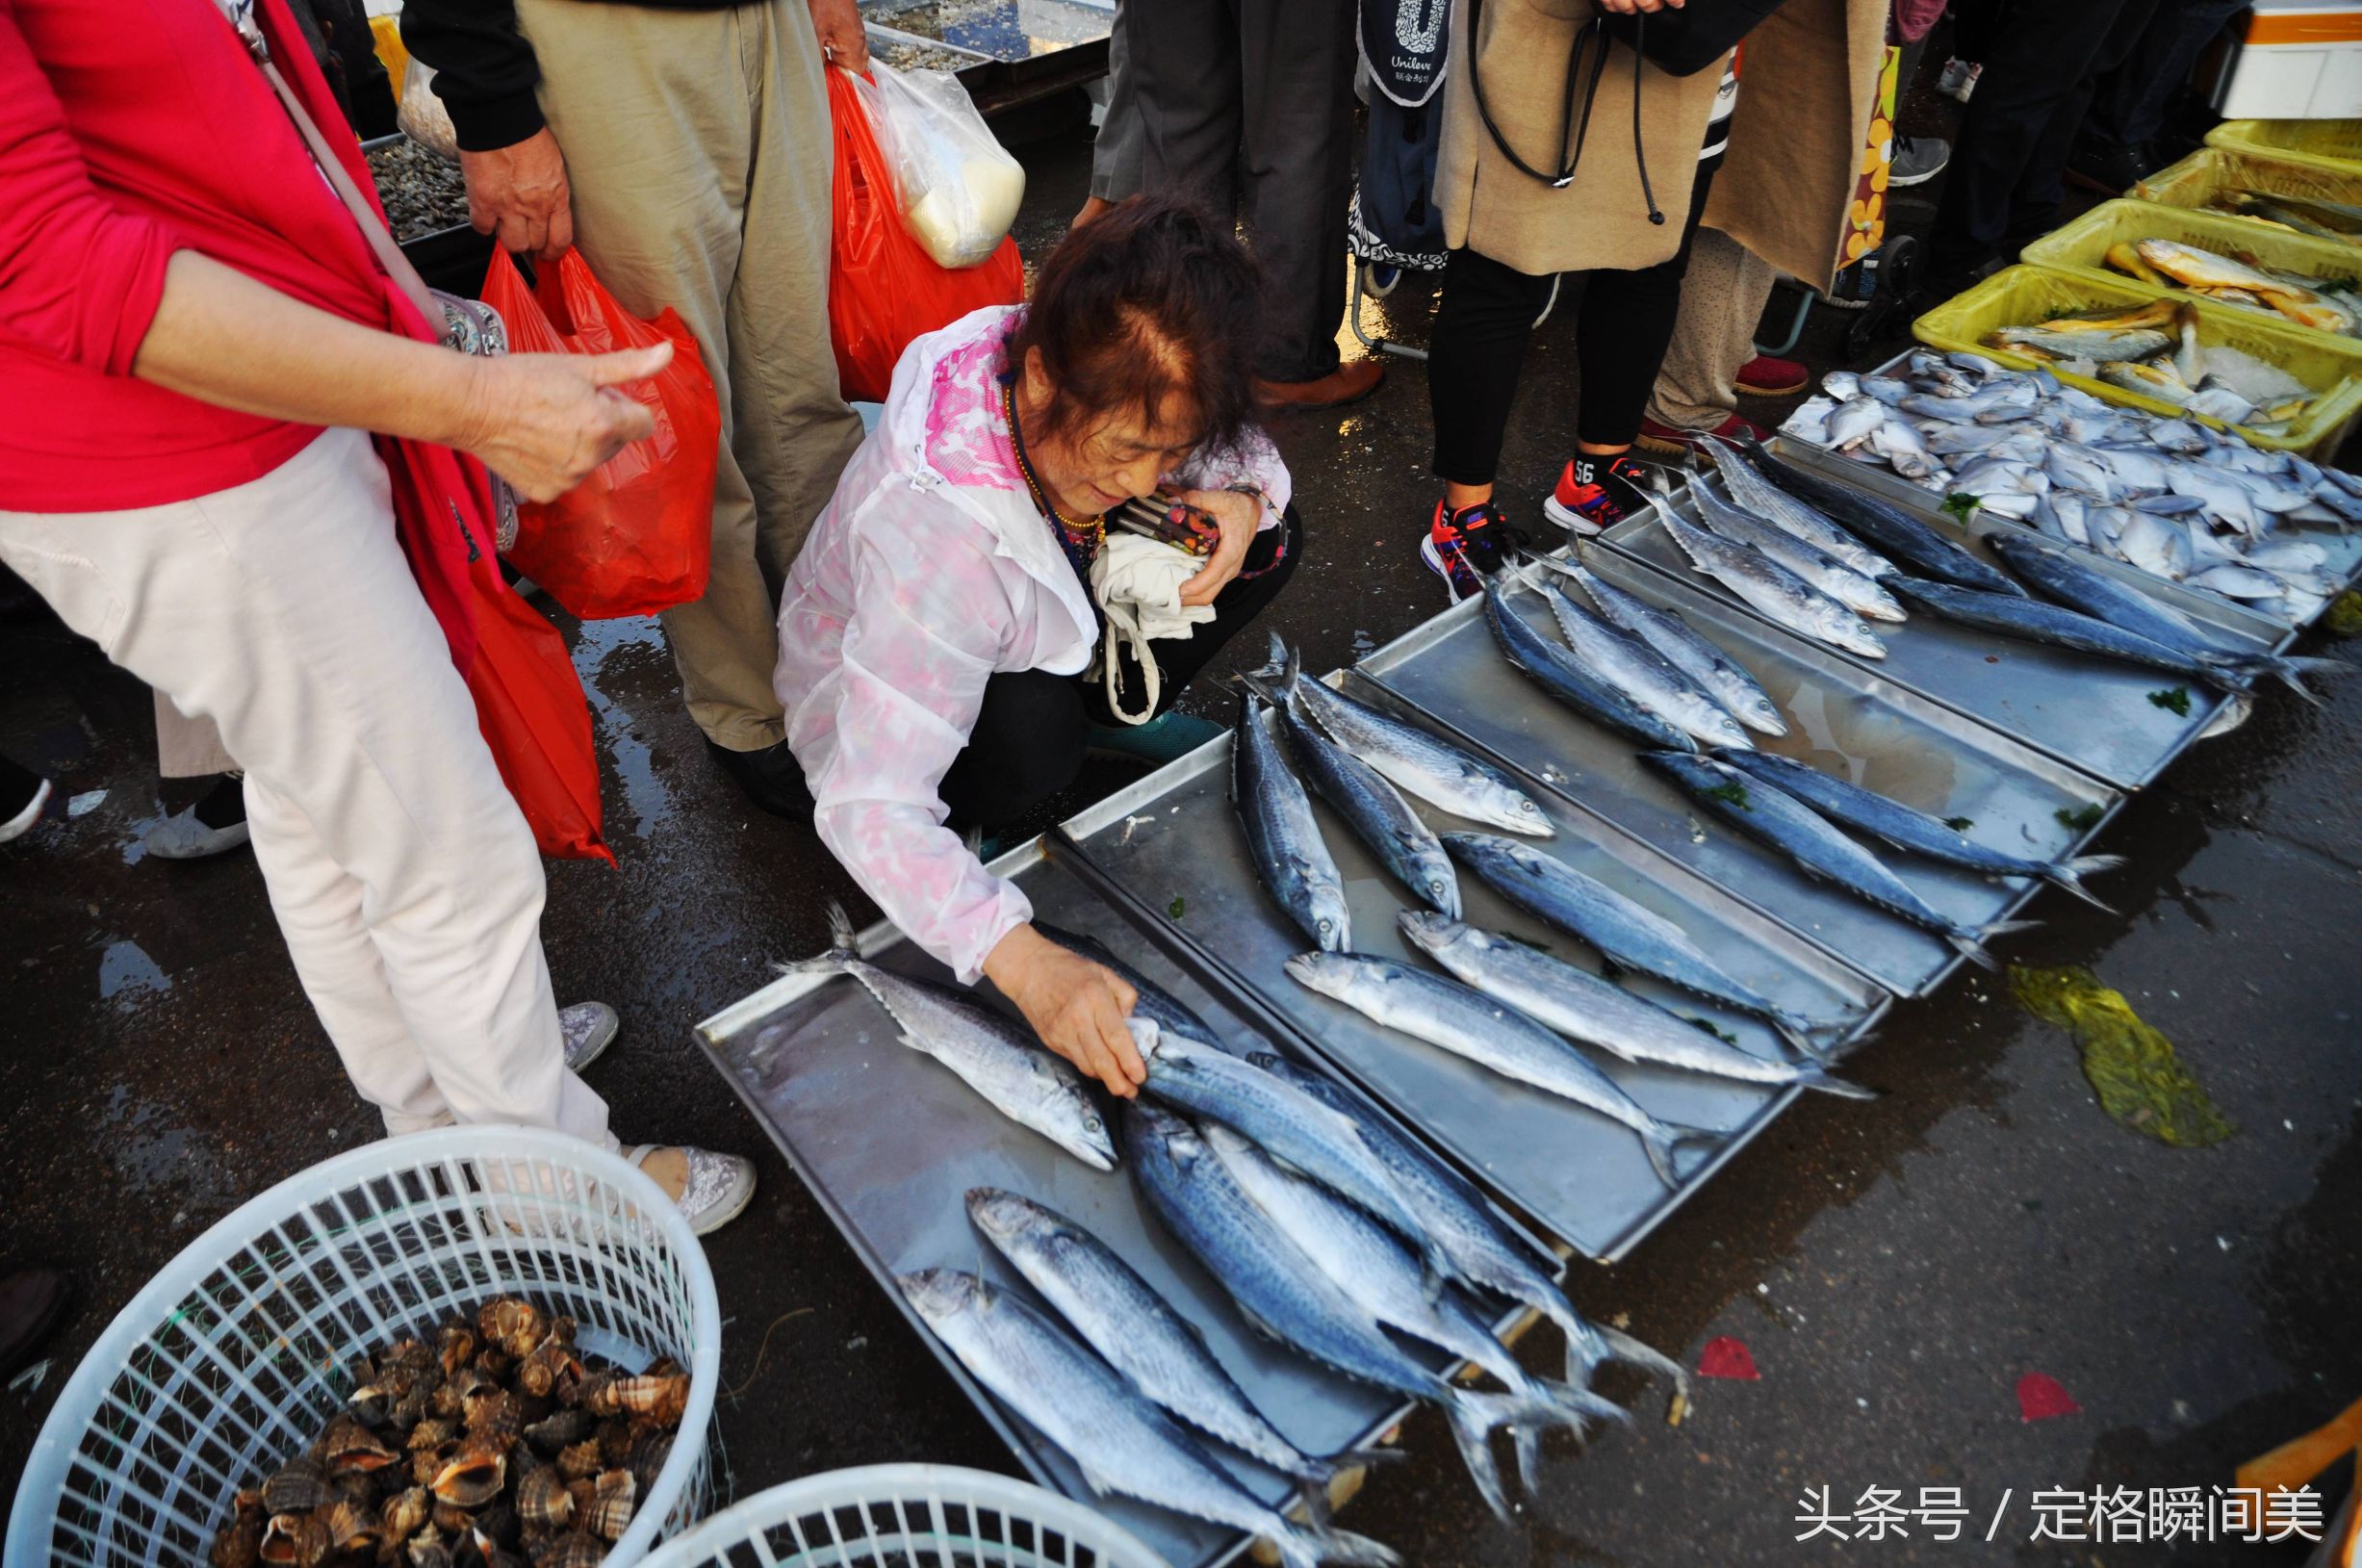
1172, 846
2343, 546
889, 1142
1452, 675
2092, 712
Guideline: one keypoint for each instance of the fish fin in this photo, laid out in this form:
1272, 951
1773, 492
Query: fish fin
2290, 670
1472, 1417
1309, 1548
1811, 1076
1665, 1139
1259, 682
1632, 1352
1432, 1275
1275, 657
1527, 1439
839, 949
2069, 875
1971, 946
1804, 1035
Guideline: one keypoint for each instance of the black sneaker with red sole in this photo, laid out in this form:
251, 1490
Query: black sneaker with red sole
1466, 547
1597, 493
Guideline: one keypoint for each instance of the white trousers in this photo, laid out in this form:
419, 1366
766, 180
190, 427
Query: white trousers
402, 874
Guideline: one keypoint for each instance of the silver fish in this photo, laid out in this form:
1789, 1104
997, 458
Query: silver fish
1736, 466
1643, 673
1854, 421
1468, 1023
1783, 598
1817, 567
1434, 770
1583, 1006
1373, 807
1282, 836
997, 1058
1122, 1443
1549, 664
1670, 635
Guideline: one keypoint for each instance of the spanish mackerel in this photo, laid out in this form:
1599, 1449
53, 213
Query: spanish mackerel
997, 1058
1629, 935
1454, 1213
1641, 672
1120, 1316
1361, 1258
1583, 1006
1686, 649
1776, 506
1373, 807
1816, 566
1885, 525
2034, 620
1433, 769
1798, 831
1468, 1023
1121, 1441
1913, 829
1284, 1294
1571, 681
1783, 598
1282, 836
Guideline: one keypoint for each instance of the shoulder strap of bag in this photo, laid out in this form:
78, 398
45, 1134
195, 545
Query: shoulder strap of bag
240, 14
1568, 124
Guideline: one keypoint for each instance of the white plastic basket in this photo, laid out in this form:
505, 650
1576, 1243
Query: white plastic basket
906, 1516
234, 1357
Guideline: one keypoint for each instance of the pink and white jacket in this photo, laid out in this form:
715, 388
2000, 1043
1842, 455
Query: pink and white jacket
929, 572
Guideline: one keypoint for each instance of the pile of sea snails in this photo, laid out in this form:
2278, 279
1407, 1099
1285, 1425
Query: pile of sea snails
491, 1444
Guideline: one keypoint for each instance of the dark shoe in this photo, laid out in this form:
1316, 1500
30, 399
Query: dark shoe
1347, 383
1918, 160
772, 778
1466, 547
1765, 377
1598, 493
1666, 441
30, 1303
2112, 172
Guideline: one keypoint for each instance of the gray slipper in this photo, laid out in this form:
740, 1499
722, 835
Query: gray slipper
181, 836
588, 1029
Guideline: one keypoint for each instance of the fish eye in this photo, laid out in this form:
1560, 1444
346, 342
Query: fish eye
1528, 805
1091, 1125
1327, 926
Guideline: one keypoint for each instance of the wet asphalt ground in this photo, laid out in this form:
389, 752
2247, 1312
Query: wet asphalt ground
1893, 1268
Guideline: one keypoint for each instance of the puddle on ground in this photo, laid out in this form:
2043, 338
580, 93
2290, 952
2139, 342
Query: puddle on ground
616, 651
127, 975
153, 1157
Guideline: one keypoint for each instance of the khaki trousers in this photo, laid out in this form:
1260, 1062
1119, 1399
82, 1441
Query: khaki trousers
1722, 303
401, 872
699, 151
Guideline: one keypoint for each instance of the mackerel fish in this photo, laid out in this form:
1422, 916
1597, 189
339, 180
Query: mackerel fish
1282, 836
1913, 829
1628, 935
1775, 506
1571, 681
1468, 1023
1816, 566
1891, 528
2032, 620
1122, 1443
1783, 598
1641, 672
1798, 831
995, 1057
1683, 648
1581, 1006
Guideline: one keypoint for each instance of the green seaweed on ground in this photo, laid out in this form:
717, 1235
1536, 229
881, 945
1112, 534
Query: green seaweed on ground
1177, 909
2174, 699
2140, 1079
2080, 818
1959, 824
2344, 616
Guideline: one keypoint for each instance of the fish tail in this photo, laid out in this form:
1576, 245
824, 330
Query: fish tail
1527, 1439
1308, 1547
1472, 1417
2069, 875
1665, 1139
1622, 1347
1275, 657
1971, 944
2290, 671
1812, 1076
1802, 1034
839, 951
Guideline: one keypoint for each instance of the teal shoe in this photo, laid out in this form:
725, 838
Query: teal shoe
1157, 742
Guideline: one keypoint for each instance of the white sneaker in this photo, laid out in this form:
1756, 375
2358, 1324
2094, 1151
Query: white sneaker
23, 822
588, 1029
719, 1189
1959, 79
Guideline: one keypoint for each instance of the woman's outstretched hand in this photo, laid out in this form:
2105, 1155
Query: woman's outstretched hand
544, 422
1077, 1007
1237, 515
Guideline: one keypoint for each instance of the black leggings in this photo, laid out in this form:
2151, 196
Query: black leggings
1623, 324
1027, 742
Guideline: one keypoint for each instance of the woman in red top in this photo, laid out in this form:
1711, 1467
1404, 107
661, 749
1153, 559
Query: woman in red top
200, 363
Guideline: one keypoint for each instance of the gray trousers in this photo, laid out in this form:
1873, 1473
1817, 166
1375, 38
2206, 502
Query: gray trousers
1248, 106
1115, 157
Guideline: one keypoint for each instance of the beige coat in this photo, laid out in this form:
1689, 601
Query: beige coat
1804, 107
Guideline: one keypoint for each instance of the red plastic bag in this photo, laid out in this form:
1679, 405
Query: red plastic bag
529, 700
884, 289
637, 535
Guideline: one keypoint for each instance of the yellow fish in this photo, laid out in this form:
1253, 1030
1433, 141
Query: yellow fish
2204, 270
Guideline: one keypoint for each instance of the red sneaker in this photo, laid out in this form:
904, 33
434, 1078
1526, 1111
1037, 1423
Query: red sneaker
1765, 377
1595, 492
1466, 547
1668, 441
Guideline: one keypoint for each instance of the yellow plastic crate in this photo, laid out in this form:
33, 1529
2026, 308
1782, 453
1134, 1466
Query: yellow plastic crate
2334, 144
2019, 296
2082, 247
2213, 175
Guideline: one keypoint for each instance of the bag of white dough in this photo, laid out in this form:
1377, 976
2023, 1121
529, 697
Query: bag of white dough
959, 187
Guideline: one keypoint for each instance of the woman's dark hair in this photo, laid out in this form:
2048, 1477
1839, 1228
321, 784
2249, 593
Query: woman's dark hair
1152, 306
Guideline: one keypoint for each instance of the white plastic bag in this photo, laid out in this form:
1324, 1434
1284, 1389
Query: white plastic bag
959, 189
421, 113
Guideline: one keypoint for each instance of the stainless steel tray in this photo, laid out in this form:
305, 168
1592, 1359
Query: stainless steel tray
2092, 712
2344, 546
1853, 724
1172, 845
889, 1142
